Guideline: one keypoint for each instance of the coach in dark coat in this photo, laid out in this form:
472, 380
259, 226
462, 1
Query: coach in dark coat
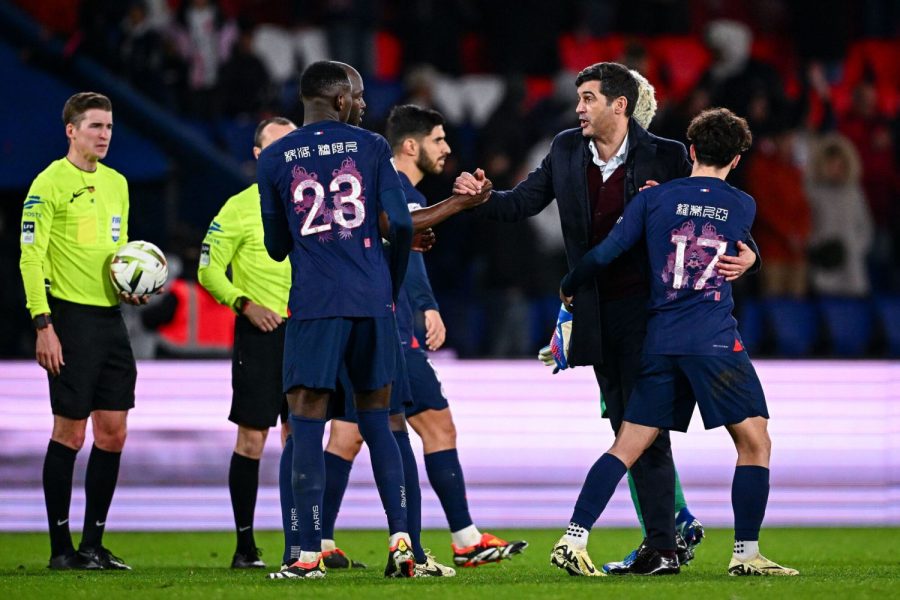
609, 319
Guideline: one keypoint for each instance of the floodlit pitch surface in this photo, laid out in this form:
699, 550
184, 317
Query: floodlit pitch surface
834, 563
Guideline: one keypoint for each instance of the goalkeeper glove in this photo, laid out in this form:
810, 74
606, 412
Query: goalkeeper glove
556, 354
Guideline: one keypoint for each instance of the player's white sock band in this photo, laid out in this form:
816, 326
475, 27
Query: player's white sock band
308, 556
465, 537
295, 553
328, 545
397, 537
577, 536
745, 549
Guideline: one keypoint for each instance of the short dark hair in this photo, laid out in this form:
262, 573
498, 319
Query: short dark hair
409, 120
615, 80
80, 103
718, 135
257, 135
323, 79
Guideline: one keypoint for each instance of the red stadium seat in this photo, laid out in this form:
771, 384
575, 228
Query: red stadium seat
577, 52
474, 54
779, 53
682, 61
388, 56
537, 89
876, 60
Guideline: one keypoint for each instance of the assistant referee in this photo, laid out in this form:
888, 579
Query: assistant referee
74, 218
258, 293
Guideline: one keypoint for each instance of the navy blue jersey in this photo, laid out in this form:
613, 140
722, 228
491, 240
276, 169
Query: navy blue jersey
416, 293
328, 178
688, 224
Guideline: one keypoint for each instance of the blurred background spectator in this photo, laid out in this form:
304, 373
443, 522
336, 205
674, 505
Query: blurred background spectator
841, 235
819, 81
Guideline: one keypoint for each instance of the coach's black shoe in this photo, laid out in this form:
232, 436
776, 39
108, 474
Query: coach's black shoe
648, 561
248, 560
106, 559
73, 562
683, 550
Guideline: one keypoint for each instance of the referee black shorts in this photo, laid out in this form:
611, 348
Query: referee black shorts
256, 365
100, 372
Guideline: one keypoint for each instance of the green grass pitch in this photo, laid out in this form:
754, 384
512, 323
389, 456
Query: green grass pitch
834, 563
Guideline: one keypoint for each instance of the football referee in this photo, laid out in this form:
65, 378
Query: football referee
73, 220
258, 293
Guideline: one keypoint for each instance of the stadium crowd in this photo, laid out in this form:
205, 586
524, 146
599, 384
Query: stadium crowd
818, 81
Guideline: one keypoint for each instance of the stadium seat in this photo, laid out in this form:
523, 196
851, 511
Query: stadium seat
848, 325
536, 90
381, 97
576, 52
388, 56
875, 60
751, 324
682, 60
794, 325
237, 136
888, 310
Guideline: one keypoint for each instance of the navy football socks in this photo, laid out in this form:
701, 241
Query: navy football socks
446, 478
386, 466
289, 521
749, 495
598, 488
308, 479
337, 474
413, 495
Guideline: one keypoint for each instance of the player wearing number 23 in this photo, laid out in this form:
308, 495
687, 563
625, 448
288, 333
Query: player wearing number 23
322, 188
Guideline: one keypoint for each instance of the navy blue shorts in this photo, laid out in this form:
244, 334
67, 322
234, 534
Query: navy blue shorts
427, 390
401, 398
316, 349
725, 387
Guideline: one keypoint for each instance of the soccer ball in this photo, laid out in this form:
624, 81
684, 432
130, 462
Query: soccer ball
138, 268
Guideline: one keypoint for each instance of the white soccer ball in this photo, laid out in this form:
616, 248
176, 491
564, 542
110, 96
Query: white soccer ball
138, 268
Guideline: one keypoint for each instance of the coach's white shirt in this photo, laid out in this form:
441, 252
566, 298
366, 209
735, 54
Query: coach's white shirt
608, 168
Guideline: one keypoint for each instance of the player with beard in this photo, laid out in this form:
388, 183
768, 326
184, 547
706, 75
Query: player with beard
419, 147
345, 440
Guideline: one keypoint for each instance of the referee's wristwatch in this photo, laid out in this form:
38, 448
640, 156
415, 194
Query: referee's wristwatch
240, 304
42, 321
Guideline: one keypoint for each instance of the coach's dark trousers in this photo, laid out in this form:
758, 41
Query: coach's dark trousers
624, 326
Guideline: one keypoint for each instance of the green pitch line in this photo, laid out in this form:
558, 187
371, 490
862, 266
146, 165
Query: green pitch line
848, 563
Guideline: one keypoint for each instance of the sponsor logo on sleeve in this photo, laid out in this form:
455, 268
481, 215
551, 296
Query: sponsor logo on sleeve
204, 255
214, 228
27, 232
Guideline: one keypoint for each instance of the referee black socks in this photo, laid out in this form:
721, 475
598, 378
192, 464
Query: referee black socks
59, 463
243, 483
99, 487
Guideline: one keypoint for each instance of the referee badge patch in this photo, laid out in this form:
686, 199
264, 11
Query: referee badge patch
204, 255
116, 228
27, 232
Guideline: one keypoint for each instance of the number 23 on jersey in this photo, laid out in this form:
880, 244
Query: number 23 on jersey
347, 208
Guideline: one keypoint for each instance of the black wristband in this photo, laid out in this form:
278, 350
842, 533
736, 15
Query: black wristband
239, 304
42, 321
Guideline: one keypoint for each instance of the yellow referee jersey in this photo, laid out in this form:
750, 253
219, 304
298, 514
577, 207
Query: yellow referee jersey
72, 223
235, 237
